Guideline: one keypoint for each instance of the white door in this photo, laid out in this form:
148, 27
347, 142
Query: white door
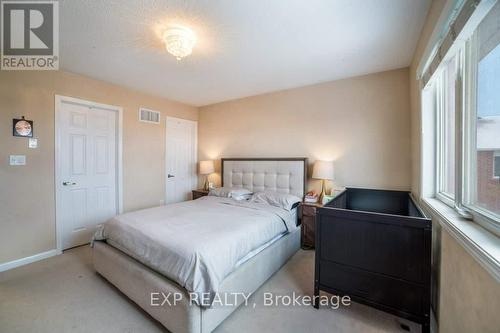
180, 159
87, 160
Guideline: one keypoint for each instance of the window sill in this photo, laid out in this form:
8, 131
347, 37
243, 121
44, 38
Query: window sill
483, 245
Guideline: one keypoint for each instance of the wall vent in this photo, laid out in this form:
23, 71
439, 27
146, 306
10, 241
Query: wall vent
149, 116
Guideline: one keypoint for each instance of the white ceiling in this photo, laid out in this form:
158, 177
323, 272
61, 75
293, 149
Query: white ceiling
245, 47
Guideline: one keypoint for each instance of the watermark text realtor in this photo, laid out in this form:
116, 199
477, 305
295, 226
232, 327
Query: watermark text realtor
232, 299
29, 35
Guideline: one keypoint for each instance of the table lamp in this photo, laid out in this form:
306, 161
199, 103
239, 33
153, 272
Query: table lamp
323, 170
206, 168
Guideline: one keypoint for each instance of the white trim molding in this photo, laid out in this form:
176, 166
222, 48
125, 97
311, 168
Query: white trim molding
28, 260
119, 151
481, 244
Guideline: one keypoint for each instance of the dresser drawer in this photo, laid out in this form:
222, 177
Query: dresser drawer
199, 193
308, 233
376, 288
308, 210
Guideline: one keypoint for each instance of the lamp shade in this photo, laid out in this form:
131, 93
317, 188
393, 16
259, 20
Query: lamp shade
323, 170
207, 167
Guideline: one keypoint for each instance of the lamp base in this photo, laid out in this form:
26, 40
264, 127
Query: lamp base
205, 186
322, 191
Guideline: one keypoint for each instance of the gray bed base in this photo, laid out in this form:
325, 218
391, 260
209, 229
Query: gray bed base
138, 282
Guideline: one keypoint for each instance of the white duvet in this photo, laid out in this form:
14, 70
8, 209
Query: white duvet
197, 243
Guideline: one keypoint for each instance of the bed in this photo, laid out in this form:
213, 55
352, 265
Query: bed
210, 246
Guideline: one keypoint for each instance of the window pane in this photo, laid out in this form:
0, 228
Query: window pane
496, 165
488, 115
449, 130
446, 129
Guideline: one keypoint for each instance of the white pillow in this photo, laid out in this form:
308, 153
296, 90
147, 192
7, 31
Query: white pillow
230, 192
237, 192
223, 192
283, 200
240, 197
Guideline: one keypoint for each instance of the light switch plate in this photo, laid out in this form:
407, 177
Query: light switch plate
33, 143
17, 160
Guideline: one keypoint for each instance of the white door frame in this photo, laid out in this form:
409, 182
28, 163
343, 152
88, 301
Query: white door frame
167, 118
119, 152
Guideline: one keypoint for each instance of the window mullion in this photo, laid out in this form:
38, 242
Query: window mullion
459, 137
439, 136
469, 165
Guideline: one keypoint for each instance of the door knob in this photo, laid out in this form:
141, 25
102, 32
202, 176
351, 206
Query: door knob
68, 183
170, 176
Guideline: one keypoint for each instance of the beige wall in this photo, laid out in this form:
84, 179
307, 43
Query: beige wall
466, 297
470, 297
27, 222
362, 123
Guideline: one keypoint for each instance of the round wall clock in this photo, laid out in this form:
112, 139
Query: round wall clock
22, 127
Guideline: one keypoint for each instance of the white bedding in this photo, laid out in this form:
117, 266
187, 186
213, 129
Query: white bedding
197, 243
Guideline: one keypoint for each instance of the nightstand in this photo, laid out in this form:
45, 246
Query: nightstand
199, 193
307, 214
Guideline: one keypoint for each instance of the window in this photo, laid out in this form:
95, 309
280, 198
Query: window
496, 165
484, 191
466, 92
446, 124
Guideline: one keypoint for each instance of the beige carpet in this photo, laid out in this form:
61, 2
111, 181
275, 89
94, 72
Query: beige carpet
64, 294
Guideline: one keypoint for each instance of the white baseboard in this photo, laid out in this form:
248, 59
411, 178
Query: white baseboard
28, 260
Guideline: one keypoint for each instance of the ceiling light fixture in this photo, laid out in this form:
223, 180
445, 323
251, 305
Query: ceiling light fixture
179, 41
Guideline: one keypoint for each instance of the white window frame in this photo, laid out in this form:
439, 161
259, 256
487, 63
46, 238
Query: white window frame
487, 219
481, 242
441, 95
466, 55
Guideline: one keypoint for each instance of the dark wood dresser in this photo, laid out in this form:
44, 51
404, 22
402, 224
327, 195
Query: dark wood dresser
307, 215
199, 193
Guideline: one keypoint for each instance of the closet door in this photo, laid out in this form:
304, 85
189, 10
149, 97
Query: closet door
181, 154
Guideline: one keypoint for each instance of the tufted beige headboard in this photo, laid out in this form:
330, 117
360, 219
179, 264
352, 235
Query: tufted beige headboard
285, 175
